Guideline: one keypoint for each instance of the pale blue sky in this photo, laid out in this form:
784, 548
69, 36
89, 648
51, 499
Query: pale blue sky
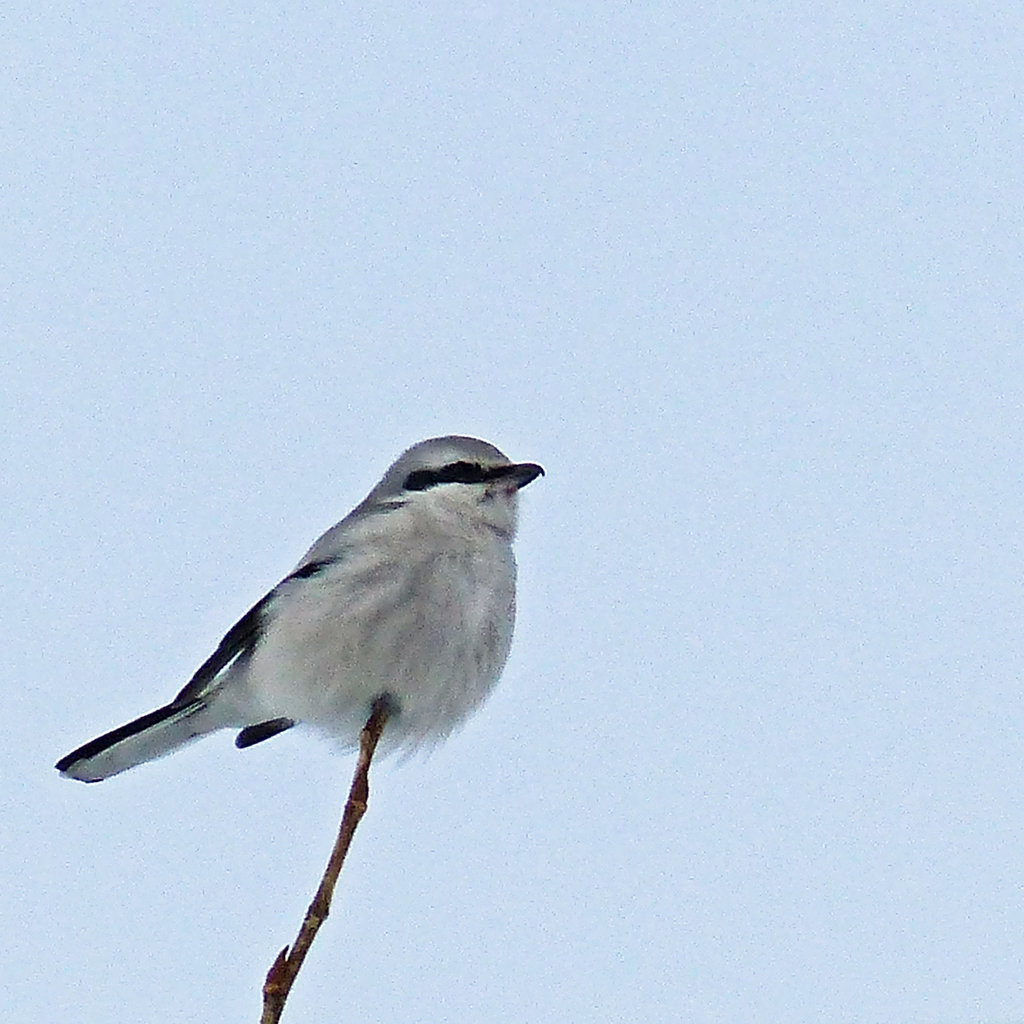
747, 281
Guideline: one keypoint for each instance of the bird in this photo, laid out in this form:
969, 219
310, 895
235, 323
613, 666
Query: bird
409, 602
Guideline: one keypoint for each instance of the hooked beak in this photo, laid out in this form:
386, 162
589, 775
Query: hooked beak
524, 473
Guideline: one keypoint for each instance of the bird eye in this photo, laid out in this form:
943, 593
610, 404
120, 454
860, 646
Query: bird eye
464, 473
420, 480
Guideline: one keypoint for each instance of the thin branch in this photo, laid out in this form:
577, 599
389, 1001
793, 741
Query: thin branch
286, 966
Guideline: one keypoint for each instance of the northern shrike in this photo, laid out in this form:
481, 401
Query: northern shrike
410, 598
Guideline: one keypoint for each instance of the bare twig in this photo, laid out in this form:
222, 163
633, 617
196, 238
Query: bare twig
286, 966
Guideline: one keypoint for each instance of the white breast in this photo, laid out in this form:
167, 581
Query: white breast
423, 615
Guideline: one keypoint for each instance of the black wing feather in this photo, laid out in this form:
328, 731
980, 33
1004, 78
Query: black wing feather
253, 734
241, 639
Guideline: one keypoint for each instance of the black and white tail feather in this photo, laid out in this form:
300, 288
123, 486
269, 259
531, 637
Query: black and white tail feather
193, 713
410, 597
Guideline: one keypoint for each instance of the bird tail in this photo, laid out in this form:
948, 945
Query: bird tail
145, 739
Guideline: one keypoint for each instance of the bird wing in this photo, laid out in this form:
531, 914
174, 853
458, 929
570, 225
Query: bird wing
241, 639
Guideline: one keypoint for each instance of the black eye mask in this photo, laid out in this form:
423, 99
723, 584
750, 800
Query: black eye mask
455, 473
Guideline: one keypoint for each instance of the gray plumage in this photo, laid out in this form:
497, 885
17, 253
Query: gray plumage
410, 597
